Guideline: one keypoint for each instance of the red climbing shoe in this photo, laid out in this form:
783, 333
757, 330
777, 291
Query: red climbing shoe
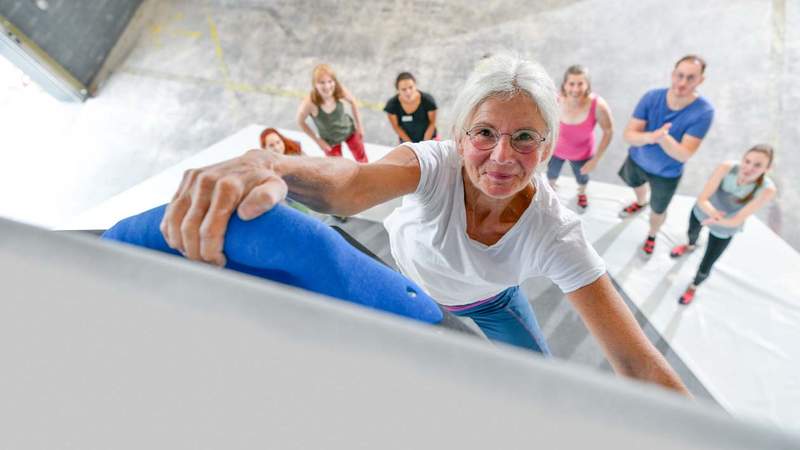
631, 209
680, 250
583, 201
649, 245
687, 296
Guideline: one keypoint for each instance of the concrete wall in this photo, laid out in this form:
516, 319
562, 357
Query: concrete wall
77, 34
201, 70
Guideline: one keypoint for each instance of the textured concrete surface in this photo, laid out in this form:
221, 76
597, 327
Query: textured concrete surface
78, 35
197, 71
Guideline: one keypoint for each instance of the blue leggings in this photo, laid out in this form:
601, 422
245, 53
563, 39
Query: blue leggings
508, 318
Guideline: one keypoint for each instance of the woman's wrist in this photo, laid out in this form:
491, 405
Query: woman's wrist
708, 208
269, 160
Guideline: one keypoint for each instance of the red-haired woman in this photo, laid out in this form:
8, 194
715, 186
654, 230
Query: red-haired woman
272, 139
735, 191
334, 125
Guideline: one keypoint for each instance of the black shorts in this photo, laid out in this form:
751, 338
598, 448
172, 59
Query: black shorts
661, 189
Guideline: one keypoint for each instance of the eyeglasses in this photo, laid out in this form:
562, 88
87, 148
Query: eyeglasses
523, 141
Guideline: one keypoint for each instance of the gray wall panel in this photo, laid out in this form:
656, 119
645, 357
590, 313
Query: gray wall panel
78, 34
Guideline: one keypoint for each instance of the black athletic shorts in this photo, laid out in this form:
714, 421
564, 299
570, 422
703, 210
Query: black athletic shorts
661, 189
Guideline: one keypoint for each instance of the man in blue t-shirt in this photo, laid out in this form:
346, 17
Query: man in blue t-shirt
666, 129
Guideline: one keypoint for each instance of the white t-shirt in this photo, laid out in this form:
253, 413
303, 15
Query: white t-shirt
428, 238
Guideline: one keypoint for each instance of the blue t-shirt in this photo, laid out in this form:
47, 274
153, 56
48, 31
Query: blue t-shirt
694, 119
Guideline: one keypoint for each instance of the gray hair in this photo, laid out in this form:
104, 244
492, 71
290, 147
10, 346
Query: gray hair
507, 76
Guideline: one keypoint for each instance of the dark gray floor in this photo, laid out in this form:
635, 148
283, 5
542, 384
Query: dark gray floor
566, 335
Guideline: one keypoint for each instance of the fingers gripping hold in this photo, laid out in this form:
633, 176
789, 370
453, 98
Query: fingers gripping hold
263, 197
227, 194
196, 220
202, 193
176, 211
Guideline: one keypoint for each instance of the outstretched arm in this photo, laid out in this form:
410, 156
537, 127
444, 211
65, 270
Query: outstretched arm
343, 187
624, 343
196, 219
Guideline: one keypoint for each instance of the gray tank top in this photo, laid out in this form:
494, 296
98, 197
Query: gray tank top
726, 199
334, 127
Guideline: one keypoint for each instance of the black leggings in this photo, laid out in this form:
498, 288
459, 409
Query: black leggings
714, 248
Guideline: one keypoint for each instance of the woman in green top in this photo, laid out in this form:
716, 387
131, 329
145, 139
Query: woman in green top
334, 125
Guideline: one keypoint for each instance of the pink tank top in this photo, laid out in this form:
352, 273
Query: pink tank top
576, 141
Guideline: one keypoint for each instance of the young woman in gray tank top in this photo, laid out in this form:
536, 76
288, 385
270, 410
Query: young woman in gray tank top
735, 191
334, 125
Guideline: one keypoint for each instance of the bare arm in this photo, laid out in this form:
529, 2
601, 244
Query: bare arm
634, 133
710, 187
682, 150
431, 126
606, 123
196, 219
607, 126
349, 98
624, 344
341, 186
302, 114
764, 197
397, 128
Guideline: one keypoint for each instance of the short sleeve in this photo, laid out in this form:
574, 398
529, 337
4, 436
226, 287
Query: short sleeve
391, 106
571, 262
428, 103
433, 158
644, 105
700, 126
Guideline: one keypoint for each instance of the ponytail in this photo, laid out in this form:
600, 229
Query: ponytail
748, 197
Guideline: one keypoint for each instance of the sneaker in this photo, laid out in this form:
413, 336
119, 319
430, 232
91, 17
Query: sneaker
687, 296
680, 250
649, 245
583, 201
631, 209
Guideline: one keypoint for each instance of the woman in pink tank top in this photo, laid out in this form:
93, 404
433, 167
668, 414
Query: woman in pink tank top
581, 111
